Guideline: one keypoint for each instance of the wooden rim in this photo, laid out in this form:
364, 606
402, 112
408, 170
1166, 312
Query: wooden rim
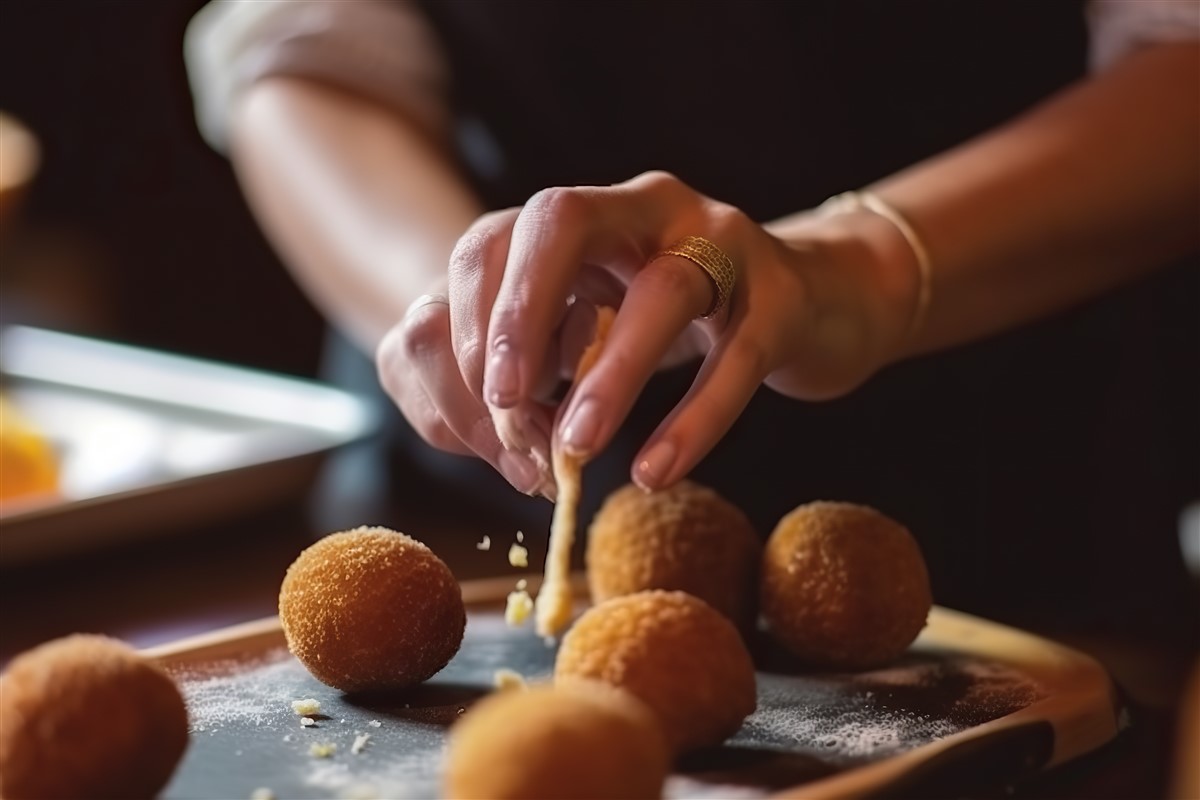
1079, 710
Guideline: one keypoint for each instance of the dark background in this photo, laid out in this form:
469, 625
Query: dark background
1078, 437
134, 229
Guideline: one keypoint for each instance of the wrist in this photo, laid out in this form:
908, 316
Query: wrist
894, 269
857, 286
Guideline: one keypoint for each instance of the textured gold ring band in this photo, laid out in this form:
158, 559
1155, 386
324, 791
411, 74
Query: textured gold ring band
716, 265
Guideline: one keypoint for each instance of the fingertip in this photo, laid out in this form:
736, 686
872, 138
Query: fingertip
581, 428
655, 466
502, 380
519, 470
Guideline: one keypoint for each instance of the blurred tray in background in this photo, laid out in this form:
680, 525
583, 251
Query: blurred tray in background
149, 442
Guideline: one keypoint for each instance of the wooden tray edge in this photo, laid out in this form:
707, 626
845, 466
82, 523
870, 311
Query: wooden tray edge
1080, 713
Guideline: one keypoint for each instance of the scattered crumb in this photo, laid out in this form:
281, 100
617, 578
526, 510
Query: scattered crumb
520, 536
262, 793
522, 584
360, 742
518, 556
375, 723
462, 710
505, 678
484, 544
322, 749
287, 737
518, 608
307, 707
307, 722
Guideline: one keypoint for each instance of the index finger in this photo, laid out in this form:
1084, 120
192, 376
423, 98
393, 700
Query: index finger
557, 232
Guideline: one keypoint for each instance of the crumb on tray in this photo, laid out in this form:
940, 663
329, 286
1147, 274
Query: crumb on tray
322, 749
306, 708
505, 678
518, 608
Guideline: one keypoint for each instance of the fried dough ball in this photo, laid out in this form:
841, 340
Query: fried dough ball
371, 609
572, 741
685, 538
86, 716
683, 659
843, 586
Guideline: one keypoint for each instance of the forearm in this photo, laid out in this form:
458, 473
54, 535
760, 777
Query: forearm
362, 207
1092, 188
1095, 187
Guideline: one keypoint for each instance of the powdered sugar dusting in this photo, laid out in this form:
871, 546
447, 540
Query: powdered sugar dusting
868, 730
806, 727
400, 776
679, 787
224, 692
870, 715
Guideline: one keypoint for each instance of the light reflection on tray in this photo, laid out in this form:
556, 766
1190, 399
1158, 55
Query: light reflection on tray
146, 439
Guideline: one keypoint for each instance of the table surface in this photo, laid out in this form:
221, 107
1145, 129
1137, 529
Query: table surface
202, 578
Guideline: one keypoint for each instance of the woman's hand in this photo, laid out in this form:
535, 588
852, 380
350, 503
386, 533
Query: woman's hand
812, 315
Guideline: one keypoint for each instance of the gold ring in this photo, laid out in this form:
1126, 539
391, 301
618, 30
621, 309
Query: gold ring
716, 265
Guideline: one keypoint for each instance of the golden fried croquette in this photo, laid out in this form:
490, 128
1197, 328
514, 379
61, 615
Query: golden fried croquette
843, 586
685, 538
576, 740
371, 609
683, 659
87, 716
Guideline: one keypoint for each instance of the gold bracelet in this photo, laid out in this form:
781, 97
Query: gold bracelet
866, 201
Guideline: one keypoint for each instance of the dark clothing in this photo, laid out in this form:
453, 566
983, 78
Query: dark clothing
1043, 471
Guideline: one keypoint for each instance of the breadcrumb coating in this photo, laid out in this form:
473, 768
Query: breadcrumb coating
578, 740
673, 651
87, 716
685, 538
843, 586
371, 609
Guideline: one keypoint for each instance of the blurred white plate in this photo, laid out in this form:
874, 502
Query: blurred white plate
149, 442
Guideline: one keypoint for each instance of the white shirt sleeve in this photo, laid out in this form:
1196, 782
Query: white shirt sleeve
1118, 27
382, 49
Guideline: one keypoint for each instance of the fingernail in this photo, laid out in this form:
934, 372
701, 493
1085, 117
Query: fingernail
549, 490
656, 463
581, 427
520, 471
501, 378
539, 441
